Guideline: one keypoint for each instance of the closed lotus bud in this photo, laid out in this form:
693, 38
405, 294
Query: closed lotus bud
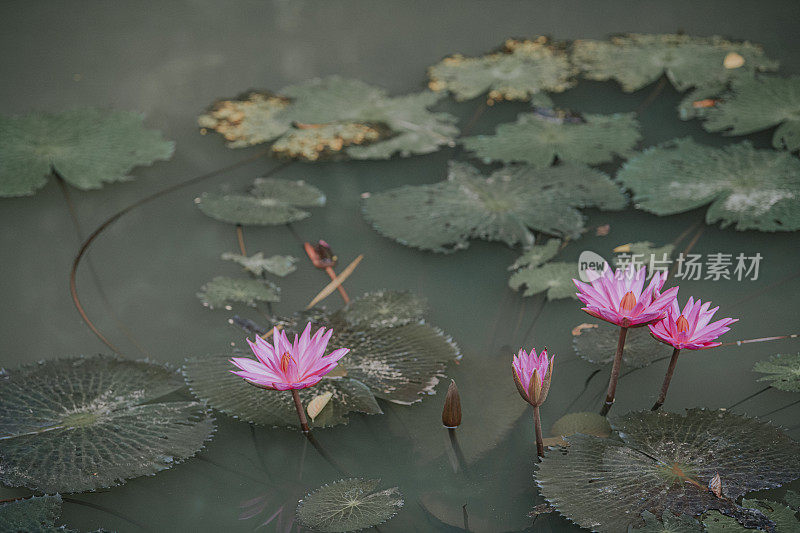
451, 414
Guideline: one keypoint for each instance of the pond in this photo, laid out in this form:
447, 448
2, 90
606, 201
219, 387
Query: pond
431, 203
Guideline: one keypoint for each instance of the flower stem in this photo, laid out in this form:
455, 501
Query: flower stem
537, 423
301, 414
612, 383
670, 370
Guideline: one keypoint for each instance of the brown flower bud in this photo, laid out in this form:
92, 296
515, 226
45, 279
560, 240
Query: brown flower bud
451, 414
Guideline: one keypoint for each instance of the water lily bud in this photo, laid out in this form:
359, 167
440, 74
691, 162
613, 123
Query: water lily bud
451, 414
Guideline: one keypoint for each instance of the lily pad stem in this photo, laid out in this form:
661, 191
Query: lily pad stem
612, 383
537, 423
670, 370
301, 414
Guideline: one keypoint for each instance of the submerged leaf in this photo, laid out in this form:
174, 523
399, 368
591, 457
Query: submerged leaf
598, 345
506, 206
754, 189
257, 264
757, 104
271, 202
383, 309
538, 140
662, 462
35, 514
669, 523
72, 425
637, 60
553, 278
520, 70
348, 505
222, 291
782, 371
86, 147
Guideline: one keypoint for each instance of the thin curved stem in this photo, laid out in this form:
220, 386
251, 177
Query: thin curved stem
612, 382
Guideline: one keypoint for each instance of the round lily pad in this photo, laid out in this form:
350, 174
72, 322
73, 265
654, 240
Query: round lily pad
753, 189
257, 264
520, 70
383, 309
222, 291
35, 514
271, 202
782, 371
87, 147
662, 462
348, 505
553, 278
538, 139
71, 425
598, 345
505, 206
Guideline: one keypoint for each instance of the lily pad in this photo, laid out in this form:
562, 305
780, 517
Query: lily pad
222, 291
782, 371
538, 140
348, 505
598, 345
86, 147
669, 523
330, 116
637, 60
538, 254
506, 206
553, 278
35, 514
210, 380
662, 462
258, 265
753, 189
271, 202
385, 309
757, 104
520, 70
71, 425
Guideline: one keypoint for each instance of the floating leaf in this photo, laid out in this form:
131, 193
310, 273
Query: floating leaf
538, 140
537, 255
637, 60
520, 70
662, 462
598, 345
754, 189
669, 523
385, 309
783, 371
37, 513
348, 505
210, 380
758, 104
257, 264
271, 202
553, 278
334, 115
442, 217
585, 423
221, 291
783, 516
86, 147
71, 425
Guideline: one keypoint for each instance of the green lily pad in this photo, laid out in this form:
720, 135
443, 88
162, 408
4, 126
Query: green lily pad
222, 291
330, 116
637, 60
669, 523
211, 381
537, 255
757, 104
753, 189
553, 278
598, 345
35, 514
782, 371
348, 505
271, 202
783, 516
663, 462
71, 425
87, 147
385, 309
258, 265
583, 422
506, 206
538, 140
520, 70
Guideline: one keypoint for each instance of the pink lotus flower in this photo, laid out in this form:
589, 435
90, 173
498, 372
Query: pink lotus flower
620, 297
284, 365
531, 366
690, 329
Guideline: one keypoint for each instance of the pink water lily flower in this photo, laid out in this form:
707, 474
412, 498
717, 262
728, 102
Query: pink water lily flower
524, 365
621, 298
691, 329
284, 365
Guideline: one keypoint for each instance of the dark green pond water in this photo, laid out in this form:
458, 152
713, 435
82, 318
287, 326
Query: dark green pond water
170, 60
